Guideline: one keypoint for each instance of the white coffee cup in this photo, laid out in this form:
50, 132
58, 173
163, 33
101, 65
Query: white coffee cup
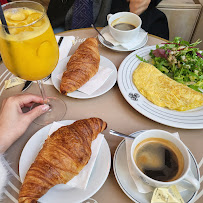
124, 17
186, 174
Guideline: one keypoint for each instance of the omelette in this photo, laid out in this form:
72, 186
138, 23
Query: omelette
164, 91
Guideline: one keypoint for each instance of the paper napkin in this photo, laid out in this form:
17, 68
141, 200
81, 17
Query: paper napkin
141, 186
65, 45
128, 45
81, 180
64, 49
95, 82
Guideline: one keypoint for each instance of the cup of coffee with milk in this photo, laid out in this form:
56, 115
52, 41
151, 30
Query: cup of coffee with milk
124, 26
161, 160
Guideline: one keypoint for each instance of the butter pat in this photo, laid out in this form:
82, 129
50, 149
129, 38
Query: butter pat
167, 195
13, 82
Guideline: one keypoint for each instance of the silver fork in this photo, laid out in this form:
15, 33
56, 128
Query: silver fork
105, 41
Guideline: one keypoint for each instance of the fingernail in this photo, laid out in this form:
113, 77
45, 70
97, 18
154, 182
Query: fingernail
45, 107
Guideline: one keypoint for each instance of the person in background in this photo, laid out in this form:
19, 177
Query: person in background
14, 123
154, 21
74, 14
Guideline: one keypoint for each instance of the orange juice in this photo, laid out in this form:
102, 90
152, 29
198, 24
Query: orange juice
30, 51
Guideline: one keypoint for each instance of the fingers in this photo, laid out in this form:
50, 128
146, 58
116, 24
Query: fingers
24, 99
139, 11
34, 113
138, 6
29, 104
29, 98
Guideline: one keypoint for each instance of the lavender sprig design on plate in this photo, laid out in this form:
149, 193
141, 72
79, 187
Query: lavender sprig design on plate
134, 96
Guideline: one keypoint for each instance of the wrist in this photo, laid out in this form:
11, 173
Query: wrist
6, 139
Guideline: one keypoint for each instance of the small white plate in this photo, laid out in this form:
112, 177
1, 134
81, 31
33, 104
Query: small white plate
123, 177
61, 193
120, 48
110, 82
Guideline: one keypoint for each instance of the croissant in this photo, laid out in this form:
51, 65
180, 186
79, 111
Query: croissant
63, 156
82, 66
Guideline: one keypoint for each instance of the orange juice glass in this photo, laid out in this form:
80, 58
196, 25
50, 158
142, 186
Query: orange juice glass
28, 46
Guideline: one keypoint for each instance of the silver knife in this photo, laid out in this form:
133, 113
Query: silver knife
28, 83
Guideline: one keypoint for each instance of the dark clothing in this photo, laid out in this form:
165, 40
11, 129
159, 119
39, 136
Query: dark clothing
57, 11
82, 14
60, 12
153, 20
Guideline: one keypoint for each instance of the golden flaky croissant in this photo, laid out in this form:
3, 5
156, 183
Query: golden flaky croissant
82, 66
63, 156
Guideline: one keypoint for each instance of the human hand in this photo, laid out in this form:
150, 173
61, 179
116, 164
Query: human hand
13, 122
138, 6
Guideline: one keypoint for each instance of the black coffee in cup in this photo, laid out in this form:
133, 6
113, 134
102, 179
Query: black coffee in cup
159, 159
124, 26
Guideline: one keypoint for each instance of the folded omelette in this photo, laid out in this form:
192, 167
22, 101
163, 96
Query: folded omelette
164, 91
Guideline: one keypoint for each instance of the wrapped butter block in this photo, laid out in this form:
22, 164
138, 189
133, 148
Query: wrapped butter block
167, 195
13, 82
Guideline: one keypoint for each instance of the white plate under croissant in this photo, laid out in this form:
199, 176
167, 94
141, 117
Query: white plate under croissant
110, 82
61, 193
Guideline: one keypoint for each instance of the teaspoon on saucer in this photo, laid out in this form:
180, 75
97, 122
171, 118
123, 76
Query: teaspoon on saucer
105, 41
113, 132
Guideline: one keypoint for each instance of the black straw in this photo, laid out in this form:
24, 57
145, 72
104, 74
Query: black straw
60, 40
3, 20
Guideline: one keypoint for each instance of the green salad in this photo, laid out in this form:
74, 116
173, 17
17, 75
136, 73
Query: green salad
181, 61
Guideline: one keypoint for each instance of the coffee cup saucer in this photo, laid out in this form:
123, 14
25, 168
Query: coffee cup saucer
121, 48
126, 183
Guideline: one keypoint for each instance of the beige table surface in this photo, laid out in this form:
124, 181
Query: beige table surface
111, 107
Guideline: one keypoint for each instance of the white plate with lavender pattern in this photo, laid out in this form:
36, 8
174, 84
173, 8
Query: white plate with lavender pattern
192, 119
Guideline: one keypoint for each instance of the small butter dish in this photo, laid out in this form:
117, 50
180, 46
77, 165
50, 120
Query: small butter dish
12, 82
167, 195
